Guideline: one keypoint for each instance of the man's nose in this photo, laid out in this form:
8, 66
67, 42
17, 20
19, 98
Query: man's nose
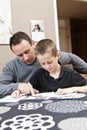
25, 57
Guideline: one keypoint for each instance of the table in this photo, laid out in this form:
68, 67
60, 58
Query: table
45, 114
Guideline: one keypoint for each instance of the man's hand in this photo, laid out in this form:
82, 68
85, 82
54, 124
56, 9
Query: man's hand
16, 94
27, 88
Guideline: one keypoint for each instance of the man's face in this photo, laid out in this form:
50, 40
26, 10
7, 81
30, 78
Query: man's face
24, 51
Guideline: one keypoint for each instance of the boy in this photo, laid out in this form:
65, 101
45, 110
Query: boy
52, 76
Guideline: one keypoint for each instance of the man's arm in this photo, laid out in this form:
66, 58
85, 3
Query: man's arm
27, 89
15, 75
78, 64
7, 82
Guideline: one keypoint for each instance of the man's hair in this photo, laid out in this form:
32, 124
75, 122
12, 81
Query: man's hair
46, 46
18, 37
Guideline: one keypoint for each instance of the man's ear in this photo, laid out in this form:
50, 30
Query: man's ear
58, 55
33, 43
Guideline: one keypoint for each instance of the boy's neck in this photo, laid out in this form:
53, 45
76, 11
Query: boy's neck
56, 74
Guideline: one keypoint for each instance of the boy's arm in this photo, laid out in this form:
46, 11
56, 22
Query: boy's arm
72, 89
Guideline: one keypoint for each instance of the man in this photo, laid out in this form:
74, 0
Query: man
78, 64
17, 72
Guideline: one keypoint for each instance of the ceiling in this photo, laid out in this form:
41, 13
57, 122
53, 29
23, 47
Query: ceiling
72, 8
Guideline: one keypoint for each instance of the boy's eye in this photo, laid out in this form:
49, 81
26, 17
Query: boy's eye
49, 62
42, 63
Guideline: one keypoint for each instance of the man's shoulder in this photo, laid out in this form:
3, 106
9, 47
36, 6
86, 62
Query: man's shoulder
13, 63
10, 65
15, 60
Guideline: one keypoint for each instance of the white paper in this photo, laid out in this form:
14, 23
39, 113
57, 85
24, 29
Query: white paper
47, 95
9, 98
51, 95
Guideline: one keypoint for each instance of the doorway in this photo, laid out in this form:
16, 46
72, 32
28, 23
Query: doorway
79, 37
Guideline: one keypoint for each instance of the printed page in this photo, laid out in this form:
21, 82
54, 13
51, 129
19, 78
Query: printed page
9, 98
51, 95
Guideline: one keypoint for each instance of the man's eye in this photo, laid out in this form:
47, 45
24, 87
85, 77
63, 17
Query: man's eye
26, 52
20, 55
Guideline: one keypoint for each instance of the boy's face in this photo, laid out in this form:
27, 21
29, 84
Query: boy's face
48, 62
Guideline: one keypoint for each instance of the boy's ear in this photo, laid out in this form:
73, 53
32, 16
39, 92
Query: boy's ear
58, 55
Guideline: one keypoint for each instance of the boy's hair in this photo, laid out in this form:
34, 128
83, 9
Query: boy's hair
46, 46
18, 37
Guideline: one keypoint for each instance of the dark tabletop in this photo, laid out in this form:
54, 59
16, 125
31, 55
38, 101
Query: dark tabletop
52, 114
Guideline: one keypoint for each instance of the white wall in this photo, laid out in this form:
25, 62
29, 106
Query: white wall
22, 12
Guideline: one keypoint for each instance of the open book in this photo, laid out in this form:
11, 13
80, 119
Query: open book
53, 95
47, 95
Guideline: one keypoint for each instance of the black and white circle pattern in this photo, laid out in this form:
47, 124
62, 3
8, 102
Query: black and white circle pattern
79, 123
66, 106
28, 122
30, 106
4, 109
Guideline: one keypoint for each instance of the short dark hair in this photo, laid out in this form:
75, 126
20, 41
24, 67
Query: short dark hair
18, 37
45, 46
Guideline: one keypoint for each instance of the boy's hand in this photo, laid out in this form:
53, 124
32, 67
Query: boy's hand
66, 90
